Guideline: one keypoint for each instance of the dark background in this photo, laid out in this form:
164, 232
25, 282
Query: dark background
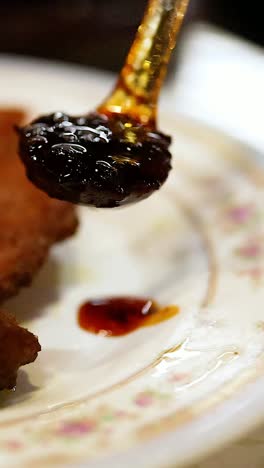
98, 32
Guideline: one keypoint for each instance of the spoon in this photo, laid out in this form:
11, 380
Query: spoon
116, 155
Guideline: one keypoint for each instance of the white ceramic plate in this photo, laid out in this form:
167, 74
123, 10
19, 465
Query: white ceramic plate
166, 394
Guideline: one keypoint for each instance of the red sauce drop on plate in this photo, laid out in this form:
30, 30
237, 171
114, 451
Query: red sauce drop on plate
117, 316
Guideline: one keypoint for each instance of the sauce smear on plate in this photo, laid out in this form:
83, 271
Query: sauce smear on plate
117, 316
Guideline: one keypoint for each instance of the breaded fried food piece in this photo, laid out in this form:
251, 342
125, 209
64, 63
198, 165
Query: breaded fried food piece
30, 221
17, 347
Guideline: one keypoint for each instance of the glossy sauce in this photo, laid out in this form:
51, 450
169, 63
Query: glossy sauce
97, 160
117, 316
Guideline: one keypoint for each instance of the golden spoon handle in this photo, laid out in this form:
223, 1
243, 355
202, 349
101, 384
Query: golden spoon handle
138, 87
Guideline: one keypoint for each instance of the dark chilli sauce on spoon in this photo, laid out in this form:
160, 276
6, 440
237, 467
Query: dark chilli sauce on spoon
98, 160
115, 156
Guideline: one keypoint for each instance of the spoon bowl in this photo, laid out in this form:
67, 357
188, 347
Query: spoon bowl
94, 160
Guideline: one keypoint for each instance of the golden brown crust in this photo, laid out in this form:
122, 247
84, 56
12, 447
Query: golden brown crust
17, 347
30, 221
